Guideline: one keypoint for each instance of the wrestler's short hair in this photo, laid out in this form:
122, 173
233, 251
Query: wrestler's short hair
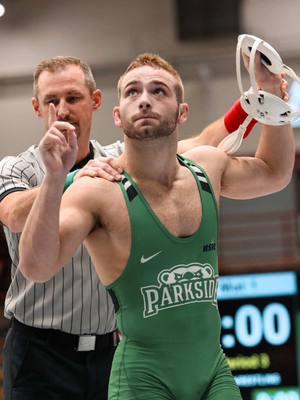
59, 63
157, 62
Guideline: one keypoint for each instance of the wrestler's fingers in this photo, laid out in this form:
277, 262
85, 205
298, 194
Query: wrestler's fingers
284, 89
246, 60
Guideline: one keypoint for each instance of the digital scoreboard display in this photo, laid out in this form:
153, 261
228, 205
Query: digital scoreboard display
290, 393
259, 316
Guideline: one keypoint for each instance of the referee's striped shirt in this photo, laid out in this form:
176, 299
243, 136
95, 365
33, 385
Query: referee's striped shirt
74, 300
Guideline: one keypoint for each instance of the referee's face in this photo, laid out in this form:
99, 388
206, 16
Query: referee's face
73, 101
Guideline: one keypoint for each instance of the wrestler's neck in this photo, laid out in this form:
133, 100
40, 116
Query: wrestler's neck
151, 160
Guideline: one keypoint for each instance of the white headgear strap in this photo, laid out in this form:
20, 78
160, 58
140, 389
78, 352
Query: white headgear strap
260, 105
263, 106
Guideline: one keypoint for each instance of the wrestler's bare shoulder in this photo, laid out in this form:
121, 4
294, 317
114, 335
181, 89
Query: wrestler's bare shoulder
94, 191
204, 152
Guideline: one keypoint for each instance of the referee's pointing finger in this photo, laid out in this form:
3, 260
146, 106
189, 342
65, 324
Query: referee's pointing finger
52, 114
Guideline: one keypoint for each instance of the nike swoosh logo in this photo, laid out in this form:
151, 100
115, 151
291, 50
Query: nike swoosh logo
146, 259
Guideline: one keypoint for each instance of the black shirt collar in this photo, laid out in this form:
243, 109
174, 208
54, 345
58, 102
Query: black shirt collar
82, 163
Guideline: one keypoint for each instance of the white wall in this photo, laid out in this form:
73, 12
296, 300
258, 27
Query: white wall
102, 32
108, 34
276, 21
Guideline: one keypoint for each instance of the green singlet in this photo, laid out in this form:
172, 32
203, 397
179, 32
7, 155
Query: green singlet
166, 304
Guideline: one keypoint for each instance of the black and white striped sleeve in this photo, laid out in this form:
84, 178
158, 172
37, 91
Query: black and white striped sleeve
16, 174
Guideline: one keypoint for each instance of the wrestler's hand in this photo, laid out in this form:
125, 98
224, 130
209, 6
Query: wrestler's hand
102, 167
59, 145
266, 80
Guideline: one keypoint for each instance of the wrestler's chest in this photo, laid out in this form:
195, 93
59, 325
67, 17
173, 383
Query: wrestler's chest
179, 210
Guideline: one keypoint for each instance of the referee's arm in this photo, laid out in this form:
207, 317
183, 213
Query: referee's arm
15, 207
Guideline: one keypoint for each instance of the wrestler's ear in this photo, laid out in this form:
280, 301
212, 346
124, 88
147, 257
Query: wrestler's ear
183, 113
36, 106
117, 117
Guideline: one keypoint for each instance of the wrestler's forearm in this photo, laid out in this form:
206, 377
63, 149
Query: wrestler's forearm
276, 149
40, 242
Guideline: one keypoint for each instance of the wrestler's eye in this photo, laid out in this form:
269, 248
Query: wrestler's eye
131, 92
159, 91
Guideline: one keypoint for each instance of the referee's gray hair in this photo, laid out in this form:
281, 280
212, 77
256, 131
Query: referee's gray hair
59, 63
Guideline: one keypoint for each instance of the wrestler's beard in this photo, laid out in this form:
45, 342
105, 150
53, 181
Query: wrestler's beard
166, 128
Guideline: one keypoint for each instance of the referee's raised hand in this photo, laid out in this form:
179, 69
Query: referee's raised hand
58, 147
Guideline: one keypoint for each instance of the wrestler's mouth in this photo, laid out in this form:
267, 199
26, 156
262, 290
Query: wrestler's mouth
145, 117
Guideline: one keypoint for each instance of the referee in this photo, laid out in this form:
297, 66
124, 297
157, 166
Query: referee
62, 333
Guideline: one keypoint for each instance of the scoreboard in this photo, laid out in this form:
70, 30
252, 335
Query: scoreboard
260, 332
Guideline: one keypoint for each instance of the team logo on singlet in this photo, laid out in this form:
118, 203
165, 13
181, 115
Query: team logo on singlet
180, 285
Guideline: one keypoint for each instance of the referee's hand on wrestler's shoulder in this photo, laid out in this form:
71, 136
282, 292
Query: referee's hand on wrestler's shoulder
102, 167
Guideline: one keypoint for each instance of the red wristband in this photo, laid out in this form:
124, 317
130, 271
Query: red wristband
235, 117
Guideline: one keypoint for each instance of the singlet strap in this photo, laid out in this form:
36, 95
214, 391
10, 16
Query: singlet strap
129, 189
202, 178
